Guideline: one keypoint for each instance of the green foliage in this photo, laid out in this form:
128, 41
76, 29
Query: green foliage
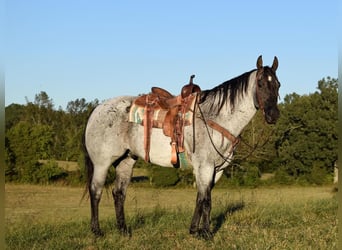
186, 177
49, 172
140, 163
82, 172
14, 114
319, 175
300, 148
110, 177
36, 131
11, 173
41, 173
164, 177
307, 133
248, 176
283, 177
251, 177
25, 145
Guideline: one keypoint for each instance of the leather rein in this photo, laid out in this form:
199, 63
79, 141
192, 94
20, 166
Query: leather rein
224, 132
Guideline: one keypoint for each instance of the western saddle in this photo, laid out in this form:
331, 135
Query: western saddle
173, 122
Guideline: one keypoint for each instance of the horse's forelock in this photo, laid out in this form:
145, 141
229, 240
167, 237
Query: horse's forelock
275, 82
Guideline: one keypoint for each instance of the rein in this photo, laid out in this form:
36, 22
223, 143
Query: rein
225, 133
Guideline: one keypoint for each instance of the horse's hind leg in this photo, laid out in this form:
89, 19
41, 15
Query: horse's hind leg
95, 191
123, 177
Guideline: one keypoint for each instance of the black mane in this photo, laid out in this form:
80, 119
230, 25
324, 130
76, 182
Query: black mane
230, 89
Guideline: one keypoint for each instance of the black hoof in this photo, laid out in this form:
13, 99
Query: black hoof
125, 231
205, 234
97, 232
193, 231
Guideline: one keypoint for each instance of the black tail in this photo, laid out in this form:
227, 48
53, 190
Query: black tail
88, 165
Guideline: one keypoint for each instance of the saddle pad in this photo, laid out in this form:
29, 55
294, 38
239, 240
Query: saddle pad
136, 115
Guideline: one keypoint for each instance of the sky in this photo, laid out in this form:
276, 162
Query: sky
102, 49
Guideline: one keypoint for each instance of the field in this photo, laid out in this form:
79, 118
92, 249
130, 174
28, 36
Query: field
51, 217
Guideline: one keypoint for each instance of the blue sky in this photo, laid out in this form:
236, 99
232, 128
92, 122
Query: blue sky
101, 49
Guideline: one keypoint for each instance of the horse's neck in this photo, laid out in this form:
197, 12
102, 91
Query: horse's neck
234, 120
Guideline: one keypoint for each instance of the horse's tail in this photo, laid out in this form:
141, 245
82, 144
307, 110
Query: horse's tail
88, 165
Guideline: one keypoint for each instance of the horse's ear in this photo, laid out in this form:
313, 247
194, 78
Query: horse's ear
275, 64
259, 62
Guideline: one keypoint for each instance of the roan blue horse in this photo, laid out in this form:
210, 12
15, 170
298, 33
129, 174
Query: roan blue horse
222, 113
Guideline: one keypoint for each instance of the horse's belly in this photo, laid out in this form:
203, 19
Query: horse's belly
160, 148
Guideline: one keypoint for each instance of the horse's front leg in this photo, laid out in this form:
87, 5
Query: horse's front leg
123, 176
205, 231
202, 214
205, 181
196, 218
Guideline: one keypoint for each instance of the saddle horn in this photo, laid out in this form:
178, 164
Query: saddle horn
190, 88
191, 79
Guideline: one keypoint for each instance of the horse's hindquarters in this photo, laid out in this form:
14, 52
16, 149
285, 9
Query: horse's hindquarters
106, 135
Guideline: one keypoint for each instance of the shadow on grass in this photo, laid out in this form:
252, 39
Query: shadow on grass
222, 217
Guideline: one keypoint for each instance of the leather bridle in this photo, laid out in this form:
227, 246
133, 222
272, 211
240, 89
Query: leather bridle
224, 132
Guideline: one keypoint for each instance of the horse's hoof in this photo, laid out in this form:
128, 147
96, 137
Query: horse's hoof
193, 231
205, 234
98, 232
125, 231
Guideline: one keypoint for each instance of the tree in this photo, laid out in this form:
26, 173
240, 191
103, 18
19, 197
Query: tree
307, 132
301, 146
37, 131
42, 100
27, 144
11, 173
14, 113
78, 112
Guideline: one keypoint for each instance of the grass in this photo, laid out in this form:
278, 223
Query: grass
48, 217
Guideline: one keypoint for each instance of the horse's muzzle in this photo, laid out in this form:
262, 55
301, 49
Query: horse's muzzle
271, 115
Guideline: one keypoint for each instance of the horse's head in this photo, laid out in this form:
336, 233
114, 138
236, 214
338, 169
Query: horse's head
267, 87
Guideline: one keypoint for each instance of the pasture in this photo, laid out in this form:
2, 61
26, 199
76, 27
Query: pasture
52, 217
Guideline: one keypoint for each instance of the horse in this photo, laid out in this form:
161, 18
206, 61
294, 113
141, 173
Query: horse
110, 139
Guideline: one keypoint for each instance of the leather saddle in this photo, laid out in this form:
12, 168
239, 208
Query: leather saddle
173, 121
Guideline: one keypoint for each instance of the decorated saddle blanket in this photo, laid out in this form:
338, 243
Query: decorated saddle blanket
137, 112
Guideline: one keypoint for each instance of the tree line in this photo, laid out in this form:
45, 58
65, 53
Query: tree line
37, 131
300, 148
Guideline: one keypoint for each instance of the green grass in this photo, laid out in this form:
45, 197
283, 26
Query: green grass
39, 217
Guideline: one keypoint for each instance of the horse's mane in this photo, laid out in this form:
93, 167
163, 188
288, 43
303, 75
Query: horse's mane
228, 90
